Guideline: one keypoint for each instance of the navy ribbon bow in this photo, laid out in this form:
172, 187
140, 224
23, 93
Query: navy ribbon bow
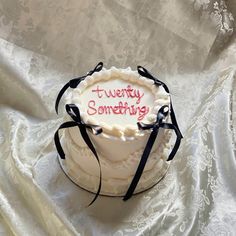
145, 73
74, 83
73, 112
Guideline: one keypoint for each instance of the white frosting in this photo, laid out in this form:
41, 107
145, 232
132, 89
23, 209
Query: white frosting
100, 94
121, 144
144, 97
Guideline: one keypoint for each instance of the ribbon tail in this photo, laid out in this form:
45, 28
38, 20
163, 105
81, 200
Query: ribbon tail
141, 165
57, 139
173, 118
175, 148
177, 141
92, 148
97, 68
144, 72
60, 94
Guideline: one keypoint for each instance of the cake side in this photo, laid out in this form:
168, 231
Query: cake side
83, 169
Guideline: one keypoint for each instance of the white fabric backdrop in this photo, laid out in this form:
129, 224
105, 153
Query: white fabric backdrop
190, 44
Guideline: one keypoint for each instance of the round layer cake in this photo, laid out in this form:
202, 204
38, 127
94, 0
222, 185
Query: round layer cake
116, 100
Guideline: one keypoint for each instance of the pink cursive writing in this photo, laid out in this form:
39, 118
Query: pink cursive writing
122, 108
127, 92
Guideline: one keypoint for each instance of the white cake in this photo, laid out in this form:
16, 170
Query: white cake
115, 100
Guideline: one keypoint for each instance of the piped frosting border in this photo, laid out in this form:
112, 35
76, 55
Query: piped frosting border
161, 97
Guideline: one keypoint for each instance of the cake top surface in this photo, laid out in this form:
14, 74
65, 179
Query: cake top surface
116, 99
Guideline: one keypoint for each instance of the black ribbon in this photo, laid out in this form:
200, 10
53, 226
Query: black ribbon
74, 83
162, 113
145, 73
73, 112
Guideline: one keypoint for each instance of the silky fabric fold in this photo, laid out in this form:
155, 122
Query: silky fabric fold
192, 45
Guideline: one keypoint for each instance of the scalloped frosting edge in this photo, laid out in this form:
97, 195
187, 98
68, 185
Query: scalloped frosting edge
161, 97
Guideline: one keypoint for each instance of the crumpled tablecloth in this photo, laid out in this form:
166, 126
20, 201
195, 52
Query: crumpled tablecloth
189, 44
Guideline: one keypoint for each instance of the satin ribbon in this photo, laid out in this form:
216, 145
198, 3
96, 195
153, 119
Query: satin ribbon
162, 113
73, 112
74, 83
145, 73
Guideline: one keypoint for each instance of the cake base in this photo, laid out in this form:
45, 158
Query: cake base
73, 180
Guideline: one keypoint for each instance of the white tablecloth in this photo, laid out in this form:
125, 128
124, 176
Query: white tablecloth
189, 44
